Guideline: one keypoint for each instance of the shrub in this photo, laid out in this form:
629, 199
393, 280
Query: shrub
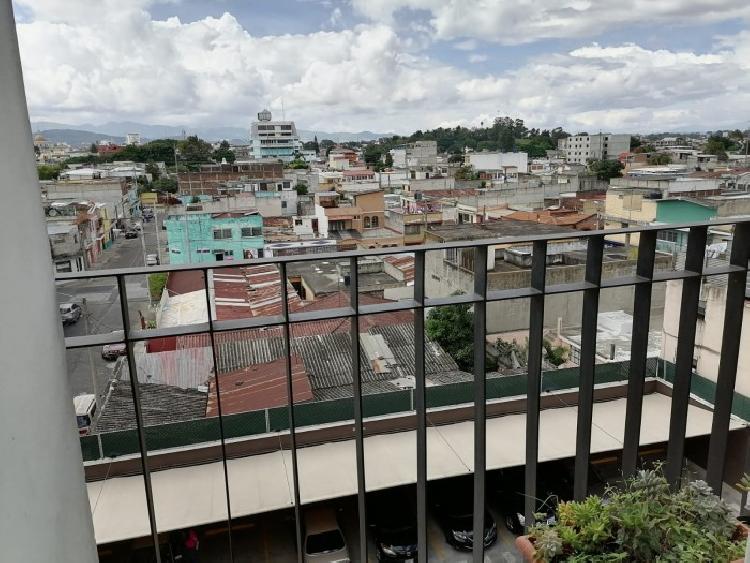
644, 520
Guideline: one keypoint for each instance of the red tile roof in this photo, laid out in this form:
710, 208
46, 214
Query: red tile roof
403, 262
259, 386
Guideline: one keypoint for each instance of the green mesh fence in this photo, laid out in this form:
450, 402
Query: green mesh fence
311, 414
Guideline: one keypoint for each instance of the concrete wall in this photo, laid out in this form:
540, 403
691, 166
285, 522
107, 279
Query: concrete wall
443, 278
709, 333
45, 514
499, 160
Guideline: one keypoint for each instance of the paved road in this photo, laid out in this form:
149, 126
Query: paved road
88, 372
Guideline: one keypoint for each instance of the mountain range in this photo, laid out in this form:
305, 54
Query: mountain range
87, 133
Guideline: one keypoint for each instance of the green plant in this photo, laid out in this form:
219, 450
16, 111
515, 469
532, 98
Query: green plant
156, 283
643, 520
556, 355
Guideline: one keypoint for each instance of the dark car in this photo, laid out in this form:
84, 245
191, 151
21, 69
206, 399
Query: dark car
111, 352
393, 516
554, 484
454, 505
131, 233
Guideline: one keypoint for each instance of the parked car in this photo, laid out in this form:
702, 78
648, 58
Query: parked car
554, 484
324, 541
131, 233
453, 500
111, 352
152, 260
394, 519
85, 407
70, 313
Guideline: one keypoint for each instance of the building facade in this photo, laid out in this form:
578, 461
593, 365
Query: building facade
273, 139
211, 237
604, 146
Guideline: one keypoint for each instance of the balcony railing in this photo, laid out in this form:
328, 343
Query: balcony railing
637, 370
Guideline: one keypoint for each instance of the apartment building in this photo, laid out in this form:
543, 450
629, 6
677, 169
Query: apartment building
603, 146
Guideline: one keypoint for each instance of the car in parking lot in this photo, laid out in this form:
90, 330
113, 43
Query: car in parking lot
394, 519
324, 541
131, 233
152, 260
453, 500
111, 352
70, 313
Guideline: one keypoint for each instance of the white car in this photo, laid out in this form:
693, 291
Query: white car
324, 541
152, 260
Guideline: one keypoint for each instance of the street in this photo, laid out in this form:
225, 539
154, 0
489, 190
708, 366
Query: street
87, 371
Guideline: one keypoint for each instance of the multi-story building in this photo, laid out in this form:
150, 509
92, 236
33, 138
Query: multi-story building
273, 139
418, 155
207, 180
603, 146
503, 166
66, 247
133, 139
210, 237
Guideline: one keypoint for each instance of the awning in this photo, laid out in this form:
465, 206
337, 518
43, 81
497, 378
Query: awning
191, 496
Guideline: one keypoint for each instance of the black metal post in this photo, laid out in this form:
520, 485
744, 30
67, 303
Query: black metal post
534, 381
691, 287
638, 352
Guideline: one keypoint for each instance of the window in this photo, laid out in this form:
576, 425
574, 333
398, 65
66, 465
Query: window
375, 222
204, 251
175, 251
283, 205
251, 232
412, 229
223, 251
367, 222
222, 234
298, 222
62, 267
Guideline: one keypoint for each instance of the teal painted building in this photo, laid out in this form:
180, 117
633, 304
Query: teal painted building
211, 237
683, 211
672, 211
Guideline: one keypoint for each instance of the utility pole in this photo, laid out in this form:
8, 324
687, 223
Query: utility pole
92, 369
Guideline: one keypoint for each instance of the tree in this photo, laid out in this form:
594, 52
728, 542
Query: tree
301, 188
659, 159
298, 164
327, 145
506, 141
195, 199
373, 153
164, 185
606, 169
718, 145
635, 142
464, 173
194, 151
455, 159
93, 148
452, 327
49, 172
152, 169
224, 151
388, 161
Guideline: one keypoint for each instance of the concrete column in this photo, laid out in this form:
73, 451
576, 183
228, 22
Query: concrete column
44, 509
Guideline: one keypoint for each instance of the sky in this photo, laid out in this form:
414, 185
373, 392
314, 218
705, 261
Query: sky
387, 66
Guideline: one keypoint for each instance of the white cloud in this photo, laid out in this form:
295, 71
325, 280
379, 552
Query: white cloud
625, 88
117, 63
127, 66
512, 23
467, 45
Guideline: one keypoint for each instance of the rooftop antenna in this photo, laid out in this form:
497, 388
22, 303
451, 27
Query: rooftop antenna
283, 115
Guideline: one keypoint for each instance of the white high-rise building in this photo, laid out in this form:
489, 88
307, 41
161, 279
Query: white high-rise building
133, 139
273, 139
604, 146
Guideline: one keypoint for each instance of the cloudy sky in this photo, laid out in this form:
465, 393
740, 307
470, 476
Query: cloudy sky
390, 65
